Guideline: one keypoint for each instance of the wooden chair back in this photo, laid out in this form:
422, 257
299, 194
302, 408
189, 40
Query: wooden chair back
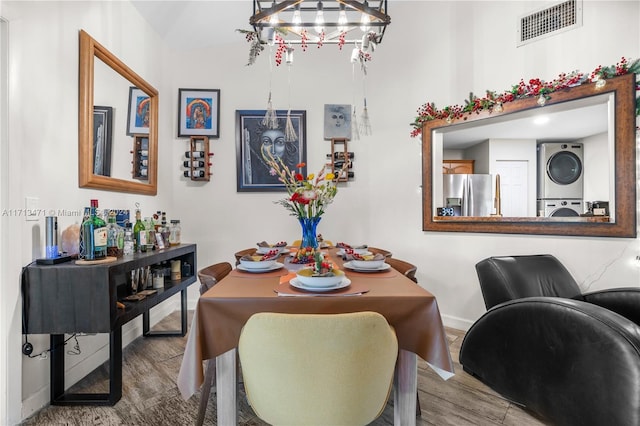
404, 267
244, 252
210, 275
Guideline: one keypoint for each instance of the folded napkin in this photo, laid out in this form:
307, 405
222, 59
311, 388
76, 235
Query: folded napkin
266, 244
347, 246
351, 255
271, 254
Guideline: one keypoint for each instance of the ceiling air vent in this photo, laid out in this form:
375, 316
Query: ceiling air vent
550, 21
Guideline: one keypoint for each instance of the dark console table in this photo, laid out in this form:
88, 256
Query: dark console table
69, 298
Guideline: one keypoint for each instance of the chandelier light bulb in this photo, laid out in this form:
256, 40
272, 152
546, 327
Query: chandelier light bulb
273, 20
319, 19
296, 19
365, 20
342, 19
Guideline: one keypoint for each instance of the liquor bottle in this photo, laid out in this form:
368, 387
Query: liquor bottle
176, 230
194, 163
166, 231
139, 234
99, 232
196, 173
144, 162
151, 234
128, 240
81, 246
86, 237
113, 229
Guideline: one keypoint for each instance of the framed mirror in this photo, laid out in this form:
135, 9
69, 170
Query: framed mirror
114, 152
591, 126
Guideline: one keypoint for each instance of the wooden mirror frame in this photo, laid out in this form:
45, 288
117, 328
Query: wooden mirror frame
90, 50
624, 88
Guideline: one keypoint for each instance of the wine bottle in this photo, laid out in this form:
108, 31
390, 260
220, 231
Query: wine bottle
194, 154
139, 234
194, 163
340, 155
338, 164
196, 173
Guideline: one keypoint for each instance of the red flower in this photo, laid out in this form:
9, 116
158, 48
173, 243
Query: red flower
299, 177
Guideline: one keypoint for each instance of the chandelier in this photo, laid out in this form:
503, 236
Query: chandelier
327, 21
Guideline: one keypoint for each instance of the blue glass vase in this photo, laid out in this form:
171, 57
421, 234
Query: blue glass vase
309, 225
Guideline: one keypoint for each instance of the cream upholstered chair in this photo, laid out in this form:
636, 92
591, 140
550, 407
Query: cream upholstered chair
318, 369
209, 277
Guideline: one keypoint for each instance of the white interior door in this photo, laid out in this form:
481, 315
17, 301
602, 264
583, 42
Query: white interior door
514, 190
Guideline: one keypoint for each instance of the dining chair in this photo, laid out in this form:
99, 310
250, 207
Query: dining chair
312, 369
375, 250
404, 267
209, 277
244, 252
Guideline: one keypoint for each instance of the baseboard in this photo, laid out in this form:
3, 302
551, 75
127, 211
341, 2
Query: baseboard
457, 323
77, 372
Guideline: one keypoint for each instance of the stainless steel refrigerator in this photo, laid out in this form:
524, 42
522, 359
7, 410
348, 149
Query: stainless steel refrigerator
469, 195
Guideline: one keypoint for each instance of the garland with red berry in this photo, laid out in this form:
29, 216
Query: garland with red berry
535, 87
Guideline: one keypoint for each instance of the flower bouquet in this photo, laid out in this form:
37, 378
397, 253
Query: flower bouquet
307, 198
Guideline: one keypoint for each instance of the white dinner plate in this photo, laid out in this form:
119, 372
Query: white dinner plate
341, 252
273, 267
297, 284
384, 267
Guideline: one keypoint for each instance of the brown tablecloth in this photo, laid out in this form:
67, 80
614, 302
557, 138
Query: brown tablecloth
224, 309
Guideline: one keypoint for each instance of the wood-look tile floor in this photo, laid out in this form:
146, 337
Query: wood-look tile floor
150, 395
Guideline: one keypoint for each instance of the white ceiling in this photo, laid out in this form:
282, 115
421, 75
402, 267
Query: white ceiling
196, 24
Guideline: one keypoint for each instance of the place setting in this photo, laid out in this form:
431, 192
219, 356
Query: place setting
320, 278
264, 247
257, 264
366, 263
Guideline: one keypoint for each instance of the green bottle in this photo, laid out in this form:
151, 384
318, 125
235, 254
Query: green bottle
139, 234
99, 232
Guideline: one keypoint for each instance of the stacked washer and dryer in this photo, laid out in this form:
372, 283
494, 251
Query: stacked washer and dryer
560, 176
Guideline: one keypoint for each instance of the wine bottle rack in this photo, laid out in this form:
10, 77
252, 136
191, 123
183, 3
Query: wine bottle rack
197, 165
140, 161
339, 154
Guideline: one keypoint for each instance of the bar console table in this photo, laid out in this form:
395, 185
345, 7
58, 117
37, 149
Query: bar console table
69, 298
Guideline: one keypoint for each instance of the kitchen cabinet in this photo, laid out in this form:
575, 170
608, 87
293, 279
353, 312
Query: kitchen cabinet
457, 166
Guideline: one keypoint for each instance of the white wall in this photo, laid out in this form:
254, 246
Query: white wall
43, 128
433, 51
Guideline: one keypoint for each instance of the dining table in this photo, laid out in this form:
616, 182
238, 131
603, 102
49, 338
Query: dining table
222, 311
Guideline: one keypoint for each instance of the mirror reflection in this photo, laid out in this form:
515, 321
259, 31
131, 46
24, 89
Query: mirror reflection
548, 162
116, 151
566, 167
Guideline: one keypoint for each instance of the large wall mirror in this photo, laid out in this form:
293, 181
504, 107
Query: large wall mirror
117, 109
565, 168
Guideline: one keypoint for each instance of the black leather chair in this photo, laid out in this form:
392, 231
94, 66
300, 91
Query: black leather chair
571, 358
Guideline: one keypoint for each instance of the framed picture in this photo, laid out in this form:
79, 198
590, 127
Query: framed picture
138, 116
199, 112
337, 121
252, 138
102, 140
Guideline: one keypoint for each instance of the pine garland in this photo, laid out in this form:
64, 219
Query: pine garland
535, 87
